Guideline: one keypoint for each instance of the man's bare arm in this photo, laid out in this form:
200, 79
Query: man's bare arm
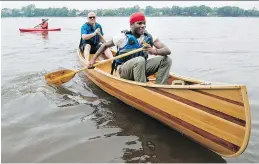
161, 48
103, 47
89, 36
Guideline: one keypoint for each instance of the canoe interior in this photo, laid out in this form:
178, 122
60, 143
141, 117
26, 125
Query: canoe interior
172, 79
216, 116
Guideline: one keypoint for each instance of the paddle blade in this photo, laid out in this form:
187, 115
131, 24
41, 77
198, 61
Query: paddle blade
59, 77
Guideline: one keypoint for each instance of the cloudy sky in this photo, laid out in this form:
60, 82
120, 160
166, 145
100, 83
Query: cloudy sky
81, 5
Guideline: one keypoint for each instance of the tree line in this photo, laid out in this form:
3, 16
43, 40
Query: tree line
199, 11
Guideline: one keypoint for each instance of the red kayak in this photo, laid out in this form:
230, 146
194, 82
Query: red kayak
38, 29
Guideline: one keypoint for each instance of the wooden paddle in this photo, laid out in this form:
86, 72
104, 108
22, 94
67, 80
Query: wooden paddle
63, 76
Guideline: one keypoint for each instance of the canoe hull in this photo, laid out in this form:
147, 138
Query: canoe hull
38, 29
218, 122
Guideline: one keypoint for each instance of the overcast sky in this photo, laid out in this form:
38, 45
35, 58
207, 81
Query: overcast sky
81, 5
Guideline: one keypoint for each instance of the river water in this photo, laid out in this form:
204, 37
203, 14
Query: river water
78, 122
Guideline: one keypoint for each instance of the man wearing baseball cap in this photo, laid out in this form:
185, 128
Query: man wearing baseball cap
137, 66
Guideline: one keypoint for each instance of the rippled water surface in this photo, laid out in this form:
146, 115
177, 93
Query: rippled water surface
78, 122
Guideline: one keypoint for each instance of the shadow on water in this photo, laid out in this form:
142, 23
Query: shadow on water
159, 143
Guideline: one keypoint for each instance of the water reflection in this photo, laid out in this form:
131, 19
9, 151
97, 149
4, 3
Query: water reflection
156, 142
43, 34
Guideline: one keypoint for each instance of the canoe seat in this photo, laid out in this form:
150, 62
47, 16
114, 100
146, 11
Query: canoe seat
178, 82
151, 79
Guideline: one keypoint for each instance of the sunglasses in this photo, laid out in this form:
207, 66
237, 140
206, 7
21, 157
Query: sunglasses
91, 17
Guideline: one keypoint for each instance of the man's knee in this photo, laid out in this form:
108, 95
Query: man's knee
168, 60
139, 61
87, 48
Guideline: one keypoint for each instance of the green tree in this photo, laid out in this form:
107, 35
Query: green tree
72, 13
175, 10
29, 10
166, 11
226, 11
16, 12
149, 11
203, 10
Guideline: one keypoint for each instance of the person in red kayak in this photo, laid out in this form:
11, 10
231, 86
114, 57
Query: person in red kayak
44, 24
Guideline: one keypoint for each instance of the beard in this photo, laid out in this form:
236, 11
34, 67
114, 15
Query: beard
138, 31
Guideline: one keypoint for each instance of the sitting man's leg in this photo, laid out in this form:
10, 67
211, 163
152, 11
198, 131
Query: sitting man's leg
134, 69
161, 65
87, 51
108, 53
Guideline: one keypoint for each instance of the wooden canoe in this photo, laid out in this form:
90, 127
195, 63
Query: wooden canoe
215, 115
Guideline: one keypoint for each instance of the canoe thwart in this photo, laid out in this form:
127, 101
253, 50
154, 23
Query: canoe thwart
178, 82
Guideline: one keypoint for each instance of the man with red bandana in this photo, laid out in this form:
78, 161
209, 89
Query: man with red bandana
137, 66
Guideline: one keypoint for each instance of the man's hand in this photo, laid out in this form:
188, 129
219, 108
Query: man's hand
91, 63
152, 51
97, 31
145, 45
149, 49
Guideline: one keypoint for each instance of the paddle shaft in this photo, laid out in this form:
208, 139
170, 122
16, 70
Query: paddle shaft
114, 58
61, 76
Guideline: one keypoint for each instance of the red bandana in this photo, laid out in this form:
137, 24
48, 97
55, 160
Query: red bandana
135, 17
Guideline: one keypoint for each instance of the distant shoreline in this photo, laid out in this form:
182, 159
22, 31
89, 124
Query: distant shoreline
146, 16
170, 11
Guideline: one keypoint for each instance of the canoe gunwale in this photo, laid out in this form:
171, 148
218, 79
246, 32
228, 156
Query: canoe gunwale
196, 86
248, 123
